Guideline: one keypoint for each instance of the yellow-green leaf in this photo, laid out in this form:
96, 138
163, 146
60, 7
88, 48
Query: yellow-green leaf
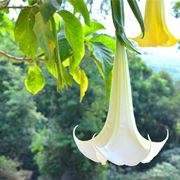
44, 36
34, 81
94, 27
81, 78
24, 34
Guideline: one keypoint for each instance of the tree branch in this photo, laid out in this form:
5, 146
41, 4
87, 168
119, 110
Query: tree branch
16, 59
17, 7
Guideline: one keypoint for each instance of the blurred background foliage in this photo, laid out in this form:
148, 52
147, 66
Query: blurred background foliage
36, 131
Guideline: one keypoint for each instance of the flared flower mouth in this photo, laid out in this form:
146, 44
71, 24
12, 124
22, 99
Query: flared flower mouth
119, 141
156, 30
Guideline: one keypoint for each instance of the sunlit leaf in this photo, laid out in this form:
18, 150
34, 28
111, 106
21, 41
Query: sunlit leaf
94, 27
6, 25
80, 6
24, 34
74, 35
44, 36
106, 40
31, 2
34, 81
57, 19
51, 67
81, 78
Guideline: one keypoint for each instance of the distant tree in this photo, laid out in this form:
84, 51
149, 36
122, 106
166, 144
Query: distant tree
154, 106
18, 115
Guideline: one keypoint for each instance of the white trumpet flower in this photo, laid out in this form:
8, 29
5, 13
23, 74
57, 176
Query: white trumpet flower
119, 141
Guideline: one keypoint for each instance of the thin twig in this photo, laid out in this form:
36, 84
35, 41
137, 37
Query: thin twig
18, 59
17, 7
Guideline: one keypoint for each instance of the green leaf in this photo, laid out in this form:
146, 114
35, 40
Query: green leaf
118, 20
103, 55
24, 34
94, 27
122, 38
117, 7
135, 9
64, 47
103, 58
35, 81
80, 77
44, 36
51, 67
48, 8
80, 6
62, 76
57, 19
31, 2
74, 35
106, 40
6, 25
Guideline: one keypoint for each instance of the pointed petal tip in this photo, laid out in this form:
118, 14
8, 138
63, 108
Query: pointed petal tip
86, 147
74, 132
155, 148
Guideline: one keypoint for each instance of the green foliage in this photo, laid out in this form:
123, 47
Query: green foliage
64, 47
48, 8
8, 164
35, 81
106, 40
44, 36
103, 58
37, 34
152, 93
24, 34
81, 78
80, 6
117, 7
18, 115
53, 39
6, 25
92, 28
74, 35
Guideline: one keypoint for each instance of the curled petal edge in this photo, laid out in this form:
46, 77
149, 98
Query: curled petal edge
89, 149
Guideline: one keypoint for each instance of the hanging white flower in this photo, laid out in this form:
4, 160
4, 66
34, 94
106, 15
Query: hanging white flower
119, 141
